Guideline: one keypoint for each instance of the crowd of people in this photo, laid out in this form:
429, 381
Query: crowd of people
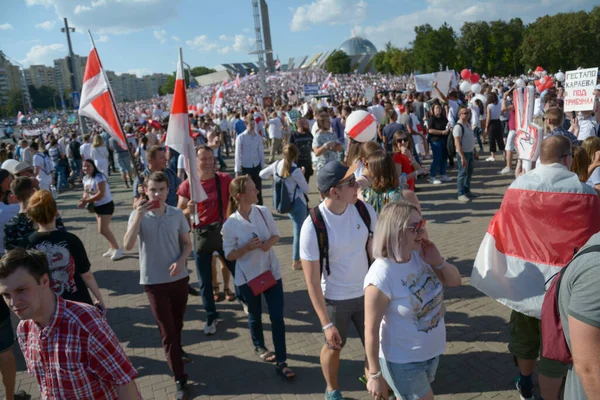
364, 249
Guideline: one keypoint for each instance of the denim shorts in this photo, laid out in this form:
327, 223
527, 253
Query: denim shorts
410, 381
7, 336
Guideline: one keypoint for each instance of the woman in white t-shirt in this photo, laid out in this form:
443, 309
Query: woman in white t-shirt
404, 305
97, 199
100, 155
249, 235
493, 126
297, 188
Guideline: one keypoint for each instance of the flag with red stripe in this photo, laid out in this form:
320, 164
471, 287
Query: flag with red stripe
545, 217
97, 101
179, 135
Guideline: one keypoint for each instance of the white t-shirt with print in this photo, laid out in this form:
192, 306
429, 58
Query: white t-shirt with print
44, 175
347, 235
90, 186
412, 329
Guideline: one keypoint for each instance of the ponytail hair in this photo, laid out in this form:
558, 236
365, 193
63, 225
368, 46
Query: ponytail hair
237, 186
290, 153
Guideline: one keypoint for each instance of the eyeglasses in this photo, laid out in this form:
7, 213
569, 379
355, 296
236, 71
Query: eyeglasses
350, 182
418, 227
402, 140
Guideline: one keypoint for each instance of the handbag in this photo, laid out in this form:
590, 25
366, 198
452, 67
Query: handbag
91, 208
264, 281
208, 238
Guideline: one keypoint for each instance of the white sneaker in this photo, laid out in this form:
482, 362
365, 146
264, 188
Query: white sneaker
109, 253
445, 178
490, 159
117, 255
435, 181
210, 329
506, 171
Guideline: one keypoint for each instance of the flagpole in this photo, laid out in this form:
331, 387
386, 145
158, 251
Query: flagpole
114, 105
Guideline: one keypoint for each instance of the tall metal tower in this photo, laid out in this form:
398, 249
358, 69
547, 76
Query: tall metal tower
260, 50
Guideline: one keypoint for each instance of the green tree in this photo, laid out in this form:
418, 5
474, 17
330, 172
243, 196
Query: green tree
43, 98
338, 63
14, 104
199, 71
169, 86
434, 49
403, 61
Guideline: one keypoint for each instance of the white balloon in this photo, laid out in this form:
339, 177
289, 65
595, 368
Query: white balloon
560, 76
520, 83
366, 133
476, 88
465, 86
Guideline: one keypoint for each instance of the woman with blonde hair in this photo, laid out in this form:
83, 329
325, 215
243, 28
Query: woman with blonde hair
592, 147
69, 264
100, 154
249, 235
404, 305
297, 189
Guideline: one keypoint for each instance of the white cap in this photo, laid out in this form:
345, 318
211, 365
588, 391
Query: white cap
597, 87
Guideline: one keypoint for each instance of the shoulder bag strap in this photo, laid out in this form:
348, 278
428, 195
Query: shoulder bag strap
219, 196
561, 273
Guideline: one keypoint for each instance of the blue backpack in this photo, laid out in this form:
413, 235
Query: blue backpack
281, 196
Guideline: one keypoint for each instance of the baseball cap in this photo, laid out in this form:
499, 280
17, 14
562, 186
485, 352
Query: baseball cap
15, 167
333, 173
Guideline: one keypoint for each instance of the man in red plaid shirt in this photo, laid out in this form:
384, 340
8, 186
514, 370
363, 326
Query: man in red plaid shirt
68, 346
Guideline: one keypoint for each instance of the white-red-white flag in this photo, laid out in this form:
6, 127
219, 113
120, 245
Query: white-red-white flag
326, 83
97, 100
179, 135
20, 117
237, 80
217, 100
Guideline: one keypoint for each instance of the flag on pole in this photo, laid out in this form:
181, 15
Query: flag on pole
179, 135
326, 83
237, 80
277, 65
20, 117
97, 101
534, 234
217, 100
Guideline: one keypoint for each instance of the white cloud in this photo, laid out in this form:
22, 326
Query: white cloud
247, 30
240, 43
43, 54
224, 50
400, 29
139, 72
102, 39
161, 35
328, 12
46, 25
6, 27
201, 43
175, 39
225, 37
112, 17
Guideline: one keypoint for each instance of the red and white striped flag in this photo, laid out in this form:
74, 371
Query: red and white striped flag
217, 100
534, 234
179, 135
237, 80
97, 101
326, 83
20, 117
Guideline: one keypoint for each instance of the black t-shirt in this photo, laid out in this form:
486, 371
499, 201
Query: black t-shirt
441, 124
303, 141
75, 152
4, 310
18, 229
68, 260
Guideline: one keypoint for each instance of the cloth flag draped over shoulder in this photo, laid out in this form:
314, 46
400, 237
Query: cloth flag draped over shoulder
179, 135
97, 100
20, 117
535, 233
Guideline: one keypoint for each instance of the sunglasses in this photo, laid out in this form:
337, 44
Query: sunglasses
350, 182
419, 227
402, 140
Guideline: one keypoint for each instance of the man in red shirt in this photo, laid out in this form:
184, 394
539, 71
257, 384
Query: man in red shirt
68, 346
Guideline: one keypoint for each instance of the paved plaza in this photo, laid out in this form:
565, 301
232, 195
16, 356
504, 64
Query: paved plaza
476, 364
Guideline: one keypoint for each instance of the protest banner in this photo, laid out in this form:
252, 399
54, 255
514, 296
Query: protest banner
579, 89
424, 82
369, 94
311, 89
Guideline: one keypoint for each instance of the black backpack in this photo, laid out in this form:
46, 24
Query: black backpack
323, 240
75, 152
450, 145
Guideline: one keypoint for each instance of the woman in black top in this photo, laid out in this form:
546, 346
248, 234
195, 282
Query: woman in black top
69, 264
437, 127
303, 140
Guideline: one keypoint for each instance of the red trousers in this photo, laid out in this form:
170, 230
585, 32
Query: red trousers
168, 302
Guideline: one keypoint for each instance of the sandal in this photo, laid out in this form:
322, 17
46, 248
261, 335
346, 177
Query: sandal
265, 355
229, 296
285, 371
216, 294
297, 265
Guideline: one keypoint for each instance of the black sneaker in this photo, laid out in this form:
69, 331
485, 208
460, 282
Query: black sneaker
524, 394
472, 195
182, 391
22, 395
185, 357
192, 291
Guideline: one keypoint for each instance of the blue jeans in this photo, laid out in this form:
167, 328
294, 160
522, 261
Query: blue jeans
61, 177
204, 274
440, 158
410, 381
477, 132
463, 181
298, 215
75, 166
274, 298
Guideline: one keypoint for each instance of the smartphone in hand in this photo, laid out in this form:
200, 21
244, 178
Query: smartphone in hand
154, 204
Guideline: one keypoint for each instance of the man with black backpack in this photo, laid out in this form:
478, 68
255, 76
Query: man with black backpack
464, 141
335, 254
74, 156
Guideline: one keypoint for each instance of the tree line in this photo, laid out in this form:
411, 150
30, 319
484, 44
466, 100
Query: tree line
562, 41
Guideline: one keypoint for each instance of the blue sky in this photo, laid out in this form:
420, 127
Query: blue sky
142, 36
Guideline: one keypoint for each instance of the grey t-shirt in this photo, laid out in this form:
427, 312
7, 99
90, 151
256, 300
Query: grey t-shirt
579, 298
405, 120
159, 245
468, 138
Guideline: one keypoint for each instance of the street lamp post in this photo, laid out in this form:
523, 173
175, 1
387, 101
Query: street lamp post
75, 88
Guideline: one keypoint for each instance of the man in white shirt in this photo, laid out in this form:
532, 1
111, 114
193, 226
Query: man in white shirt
86, 148
336, 289
250, 155
42, 167
274, 125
